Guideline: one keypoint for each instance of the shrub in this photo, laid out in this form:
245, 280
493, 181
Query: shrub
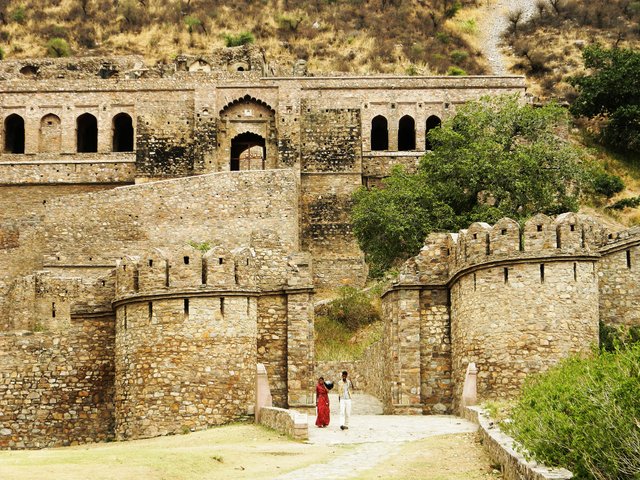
607, 184
353, 308
19, 15
623, 203
618, 337
456, 71
583, 415
459, 56
243, 38
1, 53
58, 47
192, 23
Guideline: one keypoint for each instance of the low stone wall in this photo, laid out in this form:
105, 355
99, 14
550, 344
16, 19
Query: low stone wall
286, 421
500, 447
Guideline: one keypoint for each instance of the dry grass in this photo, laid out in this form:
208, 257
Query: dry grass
548, 48
463, 455
236, 451
342, 35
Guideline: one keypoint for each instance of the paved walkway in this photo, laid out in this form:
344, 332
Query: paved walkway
375, 437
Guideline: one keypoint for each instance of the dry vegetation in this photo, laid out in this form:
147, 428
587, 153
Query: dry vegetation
392, 36
548, 47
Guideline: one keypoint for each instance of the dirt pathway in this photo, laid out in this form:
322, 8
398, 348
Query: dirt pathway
494, 25
379, 438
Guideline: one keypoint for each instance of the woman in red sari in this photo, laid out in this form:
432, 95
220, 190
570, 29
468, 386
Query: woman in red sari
322, 403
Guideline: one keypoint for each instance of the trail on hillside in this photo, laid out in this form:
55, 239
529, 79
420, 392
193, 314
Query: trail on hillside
496, 23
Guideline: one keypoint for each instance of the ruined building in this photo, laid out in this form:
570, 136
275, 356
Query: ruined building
112, 326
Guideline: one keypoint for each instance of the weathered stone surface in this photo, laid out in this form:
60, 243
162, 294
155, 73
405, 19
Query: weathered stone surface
514, 303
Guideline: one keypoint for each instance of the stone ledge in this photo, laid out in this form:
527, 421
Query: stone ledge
291, 422
500, 447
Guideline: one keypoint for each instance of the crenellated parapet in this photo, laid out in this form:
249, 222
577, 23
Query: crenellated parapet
540, 238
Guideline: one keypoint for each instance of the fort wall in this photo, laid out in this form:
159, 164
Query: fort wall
90, 232
619, 277
513, 300
56, 387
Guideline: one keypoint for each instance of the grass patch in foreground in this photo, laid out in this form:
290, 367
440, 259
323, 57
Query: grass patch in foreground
234, 451
443, 457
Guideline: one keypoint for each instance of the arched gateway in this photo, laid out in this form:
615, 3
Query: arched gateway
247, 136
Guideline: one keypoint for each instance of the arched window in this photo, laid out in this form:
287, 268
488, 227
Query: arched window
122, 133
432, 122
50, 134
87, 133
247, 152
407, 133
379, 133
14, 134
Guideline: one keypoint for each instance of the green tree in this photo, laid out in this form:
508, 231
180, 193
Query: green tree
495, 158
611, 90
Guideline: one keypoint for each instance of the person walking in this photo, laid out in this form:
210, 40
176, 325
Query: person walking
344, 395
322, 404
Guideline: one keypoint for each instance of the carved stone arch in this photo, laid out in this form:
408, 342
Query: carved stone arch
122, 133
200, 65
248, 151
86, 133
50, 135
247, 126
247, 99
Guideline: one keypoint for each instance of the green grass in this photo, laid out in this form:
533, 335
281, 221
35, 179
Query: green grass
334, 341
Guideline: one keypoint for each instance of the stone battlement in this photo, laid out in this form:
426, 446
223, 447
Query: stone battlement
541, 238
190, 270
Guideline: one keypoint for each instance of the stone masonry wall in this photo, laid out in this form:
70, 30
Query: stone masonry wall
272, 344
56, 387
619, 277
522, 325
182, 368
223, 209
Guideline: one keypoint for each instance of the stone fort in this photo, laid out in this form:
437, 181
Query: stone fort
164, 229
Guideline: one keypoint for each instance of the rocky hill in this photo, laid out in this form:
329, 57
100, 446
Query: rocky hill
387, 36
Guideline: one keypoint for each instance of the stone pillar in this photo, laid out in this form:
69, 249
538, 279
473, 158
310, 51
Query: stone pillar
263, 393
408, 361
435, 351
300, 378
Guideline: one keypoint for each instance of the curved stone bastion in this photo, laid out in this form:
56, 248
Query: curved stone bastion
512, 299
190, 329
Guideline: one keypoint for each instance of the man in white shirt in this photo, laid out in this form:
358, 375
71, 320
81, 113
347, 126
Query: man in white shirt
344, 395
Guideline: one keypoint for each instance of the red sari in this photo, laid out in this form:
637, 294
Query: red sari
322, 402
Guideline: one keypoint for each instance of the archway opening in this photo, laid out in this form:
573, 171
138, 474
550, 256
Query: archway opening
407, 133
379, 133
122, 133
14, 134
432, 122
248, 152
87, 133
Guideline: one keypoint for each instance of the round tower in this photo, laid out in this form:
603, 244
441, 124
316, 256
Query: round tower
186, 341
521, 300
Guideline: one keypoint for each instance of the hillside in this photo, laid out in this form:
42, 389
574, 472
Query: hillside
386, 36
547, 47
